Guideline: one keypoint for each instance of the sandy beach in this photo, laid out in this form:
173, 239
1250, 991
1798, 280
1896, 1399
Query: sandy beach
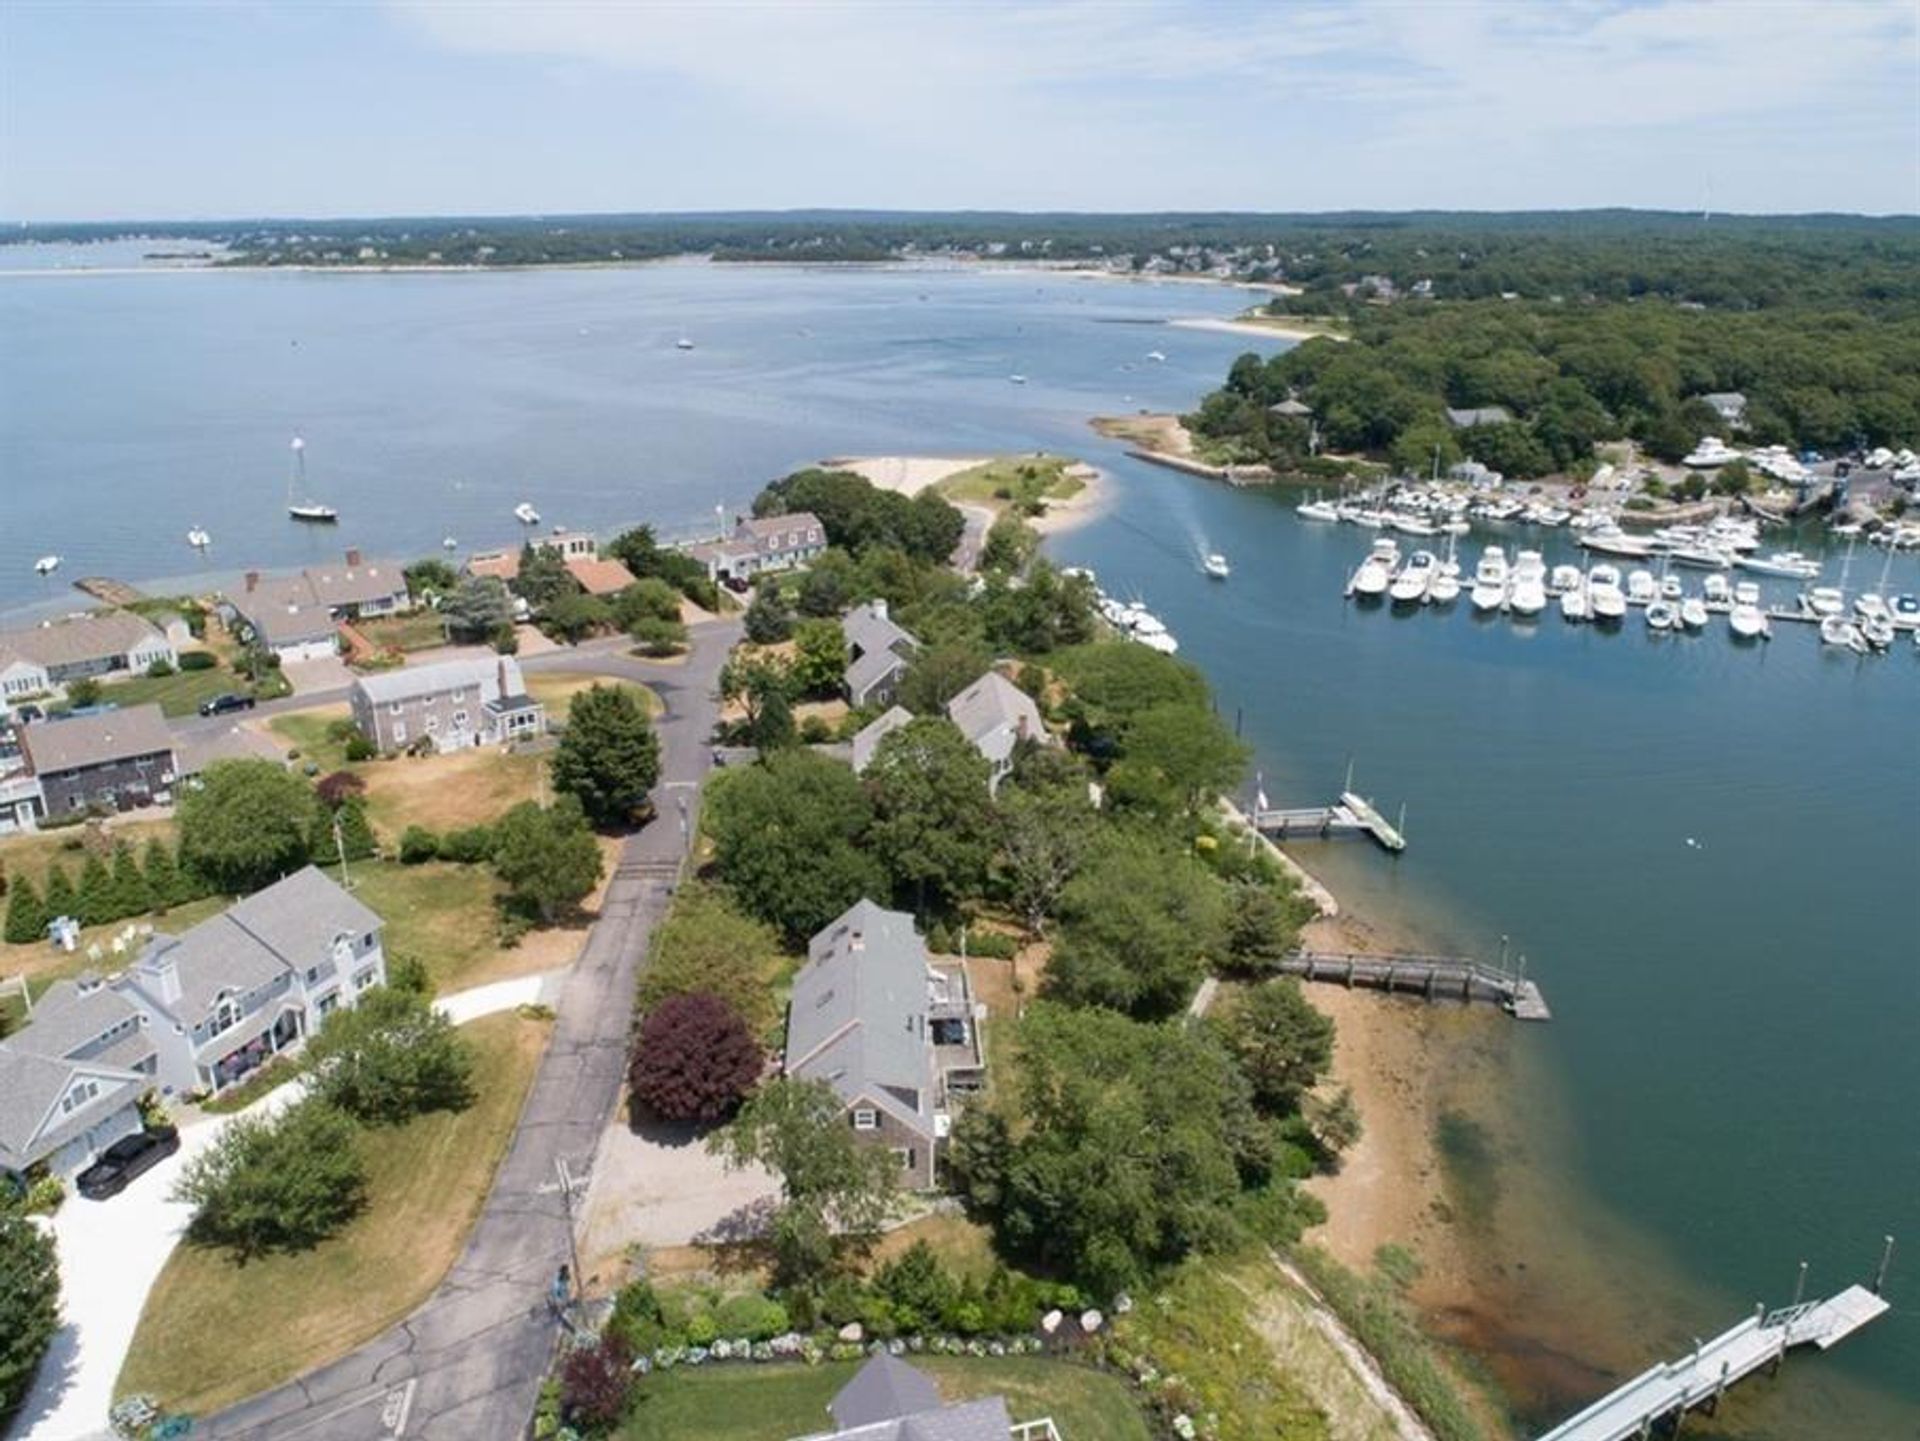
1274, 329
911, 474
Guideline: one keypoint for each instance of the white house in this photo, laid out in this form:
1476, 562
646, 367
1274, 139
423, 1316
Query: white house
43, 659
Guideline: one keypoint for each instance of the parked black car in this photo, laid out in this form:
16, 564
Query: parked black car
222, 704
125, 1159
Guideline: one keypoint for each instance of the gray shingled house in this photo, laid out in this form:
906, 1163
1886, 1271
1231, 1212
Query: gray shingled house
879, 652
455, 704
227, 996
42, 659
996, 715
896, 1036
112, 760
71, 1079
761, 545
296, 616
889, 1400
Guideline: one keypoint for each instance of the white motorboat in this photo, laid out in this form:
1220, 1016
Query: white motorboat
1376, 571
1718, 588
1840, 632
1662, 615
46, 565
1163, 643
1490, 579
1877, 632
1747, 620
1317, 510
1789, 563
1710, 452
1216, 566
300, 505
1409, 587
1642, 589
198, 538
447, 542
1701, 556
1411, 524
1906, 610
1444, 588
1604, 596
1156, 356
1671, 589
1528, 594
1868, 606
1361, 515
683, 344
1825, 600
1017, 379
1617, 542
1563, 578
1693, 613
526, 514
1573, 604
1456, 525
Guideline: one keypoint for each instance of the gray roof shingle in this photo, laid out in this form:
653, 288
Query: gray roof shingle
93, 636
993, 704
411, 682
64, 745
867, 741
884, 1389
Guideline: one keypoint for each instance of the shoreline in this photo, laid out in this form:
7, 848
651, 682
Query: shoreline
1274, 330
908, 475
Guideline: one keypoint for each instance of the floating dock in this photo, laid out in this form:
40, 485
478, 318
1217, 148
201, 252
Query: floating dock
1351, 814
1435, 978
1662, 1396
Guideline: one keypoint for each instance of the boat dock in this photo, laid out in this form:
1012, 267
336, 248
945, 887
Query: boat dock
1352, 814
112, 592
1661, 1397
1436, 978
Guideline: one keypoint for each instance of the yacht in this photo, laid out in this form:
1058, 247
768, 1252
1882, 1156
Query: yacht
1693, 613
300, 505
46, 565
1444, 588
1573, 604
1662, 615
1710, 452
1409, 587
1718, 588
1376, 571
1869, 606
526, 514
1825, 600
1701, 556
1641, 587
1604, 596
1563, 578
1411, 524
1490, 580
1789, 563
1671, 589
1528, 595
1317, 510
1216, 566
1838, 631
1746, 619
1614, 541
1456, 525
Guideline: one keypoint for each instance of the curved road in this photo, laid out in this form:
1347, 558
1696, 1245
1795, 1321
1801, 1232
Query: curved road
467, 1365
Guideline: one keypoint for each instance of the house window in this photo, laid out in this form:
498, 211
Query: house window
396, 708
366, 941
865, 1118
226, 1015
399, 732
365, 979
459, 720
433, 724
82, 1092
313, 974
328, 1003
904, 1155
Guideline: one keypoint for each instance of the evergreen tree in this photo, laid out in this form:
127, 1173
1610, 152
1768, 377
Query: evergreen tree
355, 834
132, 895
96, 893
26, 916
162, 875
59, 896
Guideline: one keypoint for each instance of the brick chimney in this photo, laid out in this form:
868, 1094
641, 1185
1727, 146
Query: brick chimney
353, 557
253, 581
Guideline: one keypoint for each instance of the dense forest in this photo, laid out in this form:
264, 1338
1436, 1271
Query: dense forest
1601, 335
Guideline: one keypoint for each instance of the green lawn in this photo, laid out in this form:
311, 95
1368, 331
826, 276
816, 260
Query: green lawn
1014, 477
775, 1402
182, 692
306, 732
439, 912
213, 1331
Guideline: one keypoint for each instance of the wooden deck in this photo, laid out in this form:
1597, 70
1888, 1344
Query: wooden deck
1434, 978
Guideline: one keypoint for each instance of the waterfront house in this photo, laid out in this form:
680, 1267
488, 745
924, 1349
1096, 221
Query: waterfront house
878, 651
41, 660
1464, 419
866, 742
889, 1400
895, 1036
297, 616
596, 575
599, 575
112, 760
225, 997
996, 715
762, 545
71, 1079
453, 705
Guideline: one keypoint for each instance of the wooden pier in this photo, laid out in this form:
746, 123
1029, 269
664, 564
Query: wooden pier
1661, 1397
1351, 814
1435, 978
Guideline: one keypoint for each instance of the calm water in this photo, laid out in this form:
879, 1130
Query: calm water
1730, 1081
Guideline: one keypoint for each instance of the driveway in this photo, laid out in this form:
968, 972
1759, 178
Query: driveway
111, 1253
657, 1185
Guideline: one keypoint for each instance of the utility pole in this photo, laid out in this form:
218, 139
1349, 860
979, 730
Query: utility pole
340, 845
567, 1187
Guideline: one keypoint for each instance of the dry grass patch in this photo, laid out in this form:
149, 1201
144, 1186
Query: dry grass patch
447, 792
214, 1332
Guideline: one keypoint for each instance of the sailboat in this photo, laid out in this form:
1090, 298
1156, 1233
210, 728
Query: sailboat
300, 505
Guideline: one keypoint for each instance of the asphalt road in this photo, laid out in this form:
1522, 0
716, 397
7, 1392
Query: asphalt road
467, 1365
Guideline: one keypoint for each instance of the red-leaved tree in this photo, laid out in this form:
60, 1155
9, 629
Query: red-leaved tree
339, 787
694, 1060
596, 1382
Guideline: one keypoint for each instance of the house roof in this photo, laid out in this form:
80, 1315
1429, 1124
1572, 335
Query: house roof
501, 564
31, 1085
299, 607
772, 527
412, 682
80, 638
1290, 406
357, 584
858, 1011
598, 576
67, 1018
867, 741
1478, 415
63, 745
196, 750
994, 703
302, 913
884, 1389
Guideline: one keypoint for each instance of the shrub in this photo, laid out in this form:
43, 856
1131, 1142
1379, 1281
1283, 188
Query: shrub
638, 1320
694, 1059
359, 748
595, 1383
658, 637
390, 1058
470, 845
199, 660
814, 730
337, 787
160, 668
757, 1318
418, 845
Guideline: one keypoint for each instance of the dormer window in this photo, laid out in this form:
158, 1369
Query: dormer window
78, 1096
226, 1014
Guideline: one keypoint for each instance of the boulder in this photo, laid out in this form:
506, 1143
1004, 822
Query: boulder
1091, 1321
1051, 1322
852, 1331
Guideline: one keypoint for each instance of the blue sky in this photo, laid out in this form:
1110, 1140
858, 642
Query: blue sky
230, 108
